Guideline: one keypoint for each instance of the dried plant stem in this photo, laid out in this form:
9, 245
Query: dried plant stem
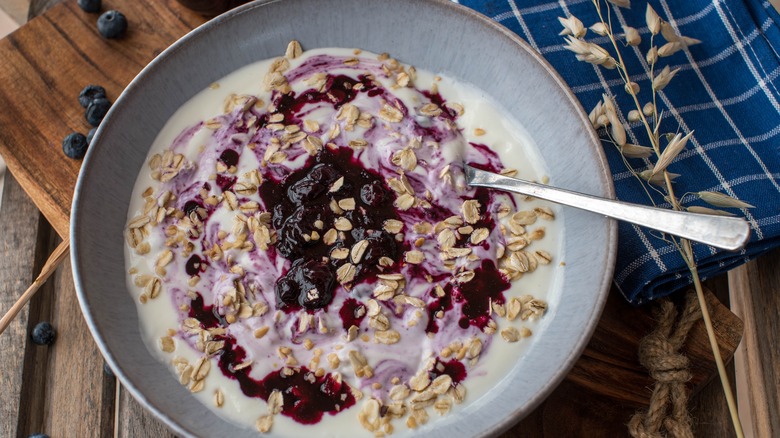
626, 77
656, 117
684, 246
634, 174
672, 198
713, 342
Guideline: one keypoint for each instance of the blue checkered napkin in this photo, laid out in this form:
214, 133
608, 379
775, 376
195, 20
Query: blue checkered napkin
727, 91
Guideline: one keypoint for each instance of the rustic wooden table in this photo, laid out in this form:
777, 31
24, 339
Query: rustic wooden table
62, 390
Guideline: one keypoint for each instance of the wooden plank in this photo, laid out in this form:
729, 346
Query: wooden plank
79, 397
49, 61
573, 410
135, 421
57, 388
36, 369
709, 411
18, 254
755, 299
708, 408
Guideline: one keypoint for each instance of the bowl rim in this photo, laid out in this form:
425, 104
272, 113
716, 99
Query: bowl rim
159, 62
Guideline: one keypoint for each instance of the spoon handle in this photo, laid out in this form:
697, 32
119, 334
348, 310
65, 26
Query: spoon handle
729, 233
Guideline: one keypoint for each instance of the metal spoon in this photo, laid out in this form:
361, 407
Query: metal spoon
719, 231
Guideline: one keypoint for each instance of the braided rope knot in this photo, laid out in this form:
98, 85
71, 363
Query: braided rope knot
638, 428
661, 358
659, 353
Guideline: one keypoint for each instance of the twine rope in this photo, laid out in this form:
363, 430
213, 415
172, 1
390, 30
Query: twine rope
659, 353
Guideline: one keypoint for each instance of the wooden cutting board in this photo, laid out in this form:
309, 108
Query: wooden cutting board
47, 62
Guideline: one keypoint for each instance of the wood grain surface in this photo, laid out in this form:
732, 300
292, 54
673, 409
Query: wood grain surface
21, 257
609, 365
135, 421
755, 297
62, 389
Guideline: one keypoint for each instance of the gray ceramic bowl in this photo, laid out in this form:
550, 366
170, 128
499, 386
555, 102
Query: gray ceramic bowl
437, 35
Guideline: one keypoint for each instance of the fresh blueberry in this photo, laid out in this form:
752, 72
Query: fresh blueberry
75, 145
90, 93
112, 24
43, 334
91, 134
96, 110
90, 5
38, 435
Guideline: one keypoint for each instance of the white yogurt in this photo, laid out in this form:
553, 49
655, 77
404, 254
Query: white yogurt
194, 133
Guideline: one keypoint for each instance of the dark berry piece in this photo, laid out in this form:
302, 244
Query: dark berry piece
38, 435
315, 282
380, 246
75, 145
318, 297
43, 334
229, 157
225, 182
193, 265
308, 283
191, 206
293, 234
107, 370
373, 193
90, 93
112, 24
90, 5
287, 292
90, 135
279, 216
96, 110
317, 182
304, 190
324, 173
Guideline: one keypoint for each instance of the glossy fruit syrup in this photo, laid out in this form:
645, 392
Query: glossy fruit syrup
304, 212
